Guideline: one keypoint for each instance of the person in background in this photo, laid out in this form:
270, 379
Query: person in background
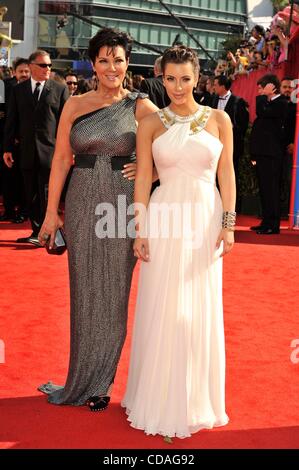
71, 80
33, 114
154, 87
237, 109
84, 85
137, 79
210, 85
258, 33
257, 62
201, 94
58, 77
267, 149
12, 183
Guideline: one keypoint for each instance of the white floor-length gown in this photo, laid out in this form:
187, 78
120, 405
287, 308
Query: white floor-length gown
176, 382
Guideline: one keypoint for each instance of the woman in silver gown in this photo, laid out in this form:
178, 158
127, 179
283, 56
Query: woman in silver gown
99, 127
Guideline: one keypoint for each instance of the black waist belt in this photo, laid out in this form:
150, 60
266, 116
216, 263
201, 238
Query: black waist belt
83, 160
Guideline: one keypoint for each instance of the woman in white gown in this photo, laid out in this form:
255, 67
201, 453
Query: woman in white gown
176, 383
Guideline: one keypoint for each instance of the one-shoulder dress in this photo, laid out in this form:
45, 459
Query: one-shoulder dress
100, 263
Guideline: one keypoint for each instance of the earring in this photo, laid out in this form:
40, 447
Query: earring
125, 82
96, 80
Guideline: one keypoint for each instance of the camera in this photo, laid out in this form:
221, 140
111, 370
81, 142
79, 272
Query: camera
61, 22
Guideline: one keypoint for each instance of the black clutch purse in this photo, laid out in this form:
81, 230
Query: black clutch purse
59, 243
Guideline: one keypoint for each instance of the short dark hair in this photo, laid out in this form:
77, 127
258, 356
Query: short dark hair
69, 73
224, 81
269, 78
286, 78
112, 38
19, 61
84, 85
179, 55
259, 29
36, 54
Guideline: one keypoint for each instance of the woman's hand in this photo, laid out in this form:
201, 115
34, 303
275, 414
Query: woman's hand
129, 171
49, 228
227, 236
269, 90
141, 249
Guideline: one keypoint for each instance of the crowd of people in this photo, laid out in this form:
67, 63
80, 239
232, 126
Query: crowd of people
265, 49
58, 130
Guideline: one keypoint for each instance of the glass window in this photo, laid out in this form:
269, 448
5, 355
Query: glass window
154, 35
165, 37
214, 4
204, 3
231, 5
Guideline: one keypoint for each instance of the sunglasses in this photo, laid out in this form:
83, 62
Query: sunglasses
43, 66
72, 83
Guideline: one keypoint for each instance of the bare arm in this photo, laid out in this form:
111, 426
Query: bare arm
63, 157
226, 176
144, 107
225, 172
143, 183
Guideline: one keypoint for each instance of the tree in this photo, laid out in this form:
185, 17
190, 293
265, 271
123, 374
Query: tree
279, 4
232, 43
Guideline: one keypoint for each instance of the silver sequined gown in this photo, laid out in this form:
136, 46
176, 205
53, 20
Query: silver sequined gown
100, 269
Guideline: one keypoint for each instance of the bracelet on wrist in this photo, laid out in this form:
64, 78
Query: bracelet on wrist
228, 219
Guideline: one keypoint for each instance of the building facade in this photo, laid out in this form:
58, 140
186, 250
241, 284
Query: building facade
149, 23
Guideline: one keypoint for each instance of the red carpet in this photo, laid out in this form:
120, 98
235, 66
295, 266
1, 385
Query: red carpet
261, 278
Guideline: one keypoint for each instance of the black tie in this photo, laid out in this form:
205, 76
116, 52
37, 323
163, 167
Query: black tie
36, 92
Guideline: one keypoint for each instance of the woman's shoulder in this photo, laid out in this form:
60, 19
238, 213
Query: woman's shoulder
79, 100
76, 102
80, 105
220, 116
145, 107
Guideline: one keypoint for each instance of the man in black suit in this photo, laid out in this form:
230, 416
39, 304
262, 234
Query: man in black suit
12, 184
267, 147
33, 115
237, 109
154, 87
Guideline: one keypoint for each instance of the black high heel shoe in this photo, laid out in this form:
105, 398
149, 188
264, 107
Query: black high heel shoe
98, 403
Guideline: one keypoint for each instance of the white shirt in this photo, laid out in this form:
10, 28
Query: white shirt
274, 97
33, 85
223, 100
